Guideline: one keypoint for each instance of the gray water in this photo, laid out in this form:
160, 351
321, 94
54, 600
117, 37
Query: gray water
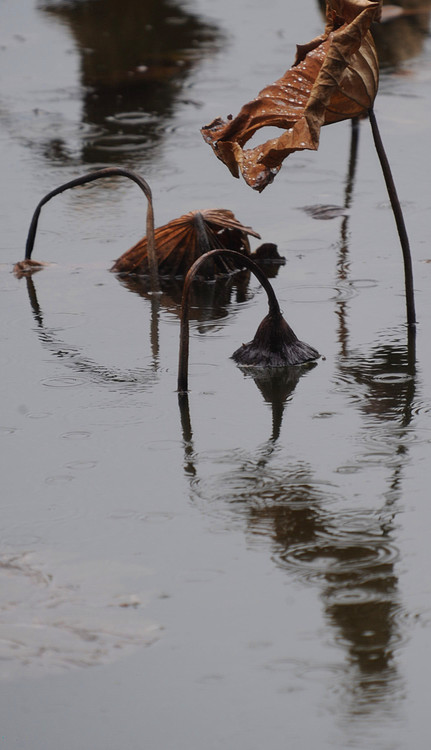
253, 570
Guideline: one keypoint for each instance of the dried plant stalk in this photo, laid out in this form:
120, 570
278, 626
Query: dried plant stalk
27, 265
274, 345
399, 220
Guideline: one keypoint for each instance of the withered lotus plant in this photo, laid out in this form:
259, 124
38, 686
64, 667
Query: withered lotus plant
334, 77
28, 265
274, 344
171, 249
182, 241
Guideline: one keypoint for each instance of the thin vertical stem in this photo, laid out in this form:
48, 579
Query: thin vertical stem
399, 219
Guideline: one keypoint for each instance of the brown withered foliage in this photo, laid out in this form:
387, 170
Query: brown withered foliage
171, 249
334, 77
180, 242
27, 267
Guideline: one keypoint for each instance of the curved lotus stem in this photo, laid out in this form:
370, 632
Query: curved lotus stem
90, 177
399, 220
275, 344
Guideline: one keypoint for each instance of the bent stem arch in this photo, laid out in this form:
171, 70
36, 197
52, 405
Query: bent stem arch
90, 177
399, 220
274, 345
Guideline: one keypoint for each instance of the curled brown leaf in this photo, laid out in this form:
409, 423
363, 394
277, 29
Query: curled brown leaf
28, 267
181, 241
334, 77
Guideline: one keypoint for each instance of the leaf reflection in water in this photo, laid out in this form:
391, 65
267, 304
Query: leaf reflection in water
135, 60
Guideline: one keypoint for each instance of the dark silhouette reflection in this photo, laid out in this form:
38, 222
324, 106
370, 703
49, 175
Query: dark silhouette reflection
276, 387
73, 357
348, 195
187, 434
349, 553
354, 567
136, 57
384, 380
402, 37
209, 302
386, 374
381, 384
402, 33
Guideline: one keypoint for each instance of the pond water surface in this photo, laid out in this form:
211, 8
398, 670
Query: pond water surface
252, 569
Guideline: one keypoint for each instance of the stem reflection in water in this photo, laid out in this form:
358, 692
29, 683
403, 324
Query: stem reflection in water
349, 554
73, 357
209, 303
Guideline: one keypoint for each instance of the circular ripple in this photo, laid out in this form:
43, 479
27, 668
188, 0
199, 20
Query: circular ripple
119, 143
363, 283
81, 465
132, 119
311, 294
421, 407
39, 414
355, 524
63, 382
76, 435
323, 558
244, 484
59, 479
348, 469
396, 437
355, 595
393, 378
8, 430
306, 246
344, 293
123, 514
379, 458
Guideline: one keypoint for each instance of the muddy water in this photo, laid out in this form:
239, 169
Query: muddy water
251, 570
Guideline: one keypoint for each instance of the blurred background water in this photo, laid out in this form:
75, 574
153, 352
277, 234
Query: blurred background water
252, 569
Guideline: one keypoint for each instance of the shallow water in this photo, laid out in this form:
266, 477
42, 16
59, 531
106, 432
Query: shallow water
249, 568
